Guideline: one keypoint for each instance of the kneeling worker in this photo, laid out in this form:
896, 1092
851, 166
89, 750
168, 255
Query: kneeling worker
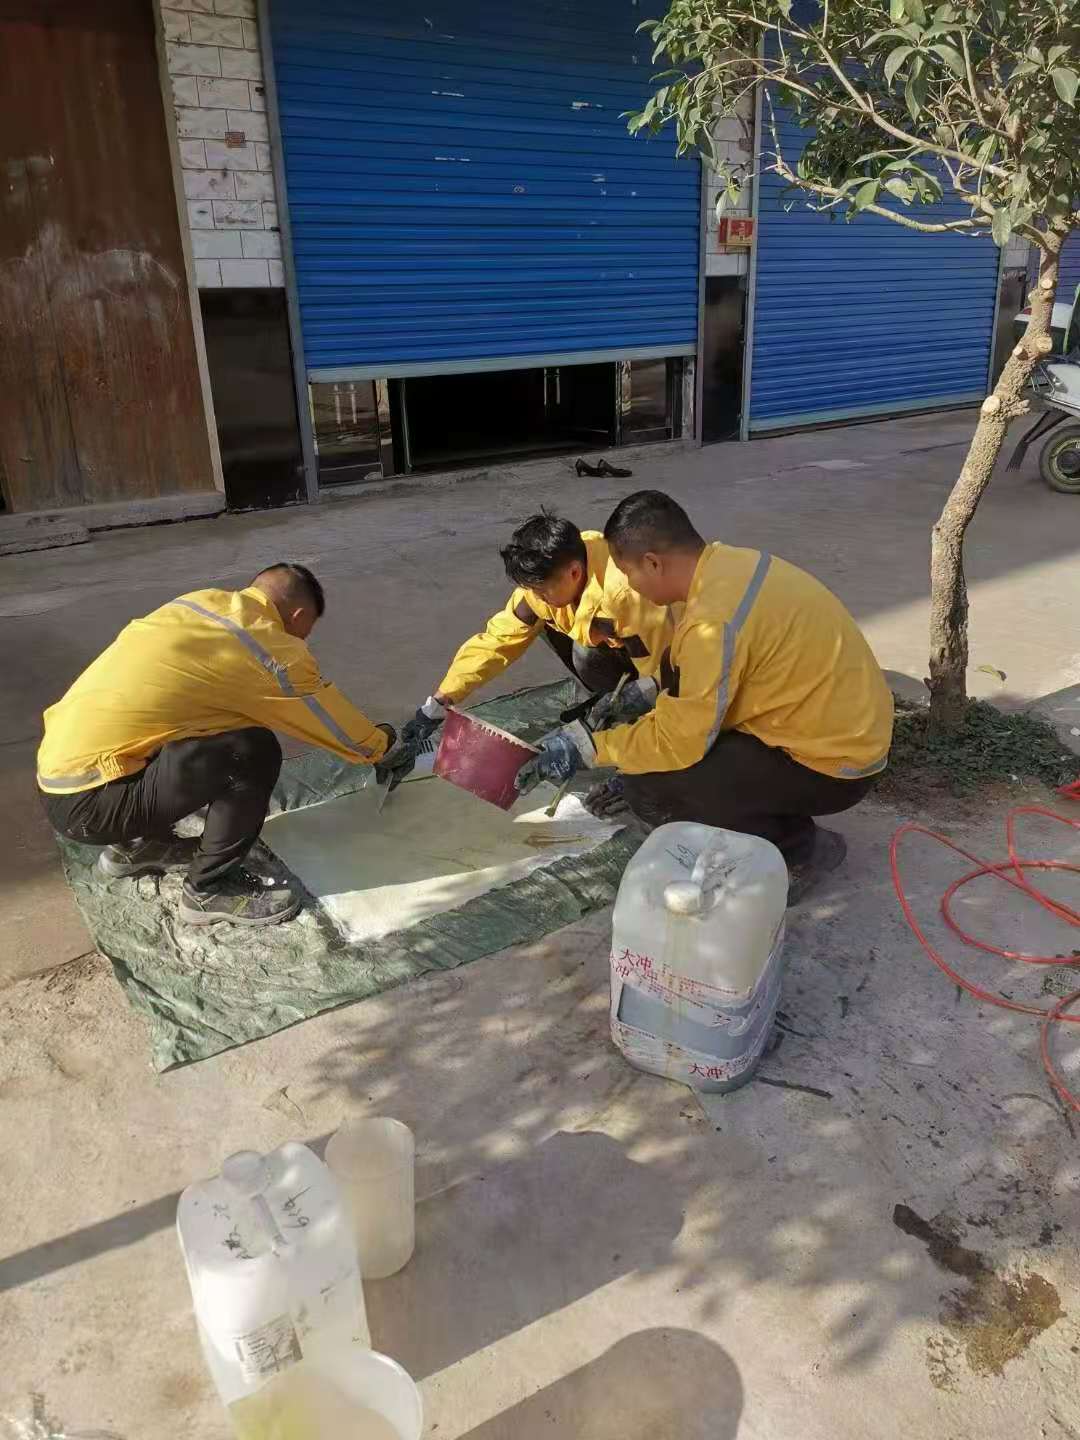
178, 713
772, 707
570, 593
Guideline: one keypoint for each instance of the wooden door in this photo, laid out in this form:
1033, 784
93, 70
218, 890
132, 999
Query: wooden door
100, 396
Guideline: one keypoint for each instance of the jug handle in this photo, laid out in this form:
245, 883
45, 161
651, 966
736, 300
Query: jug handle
708, 872
269, 1225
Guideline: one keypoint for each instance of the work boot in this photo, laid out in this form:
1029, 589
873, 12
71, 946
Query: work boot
239, 898
606, 801
829, 851
144, 857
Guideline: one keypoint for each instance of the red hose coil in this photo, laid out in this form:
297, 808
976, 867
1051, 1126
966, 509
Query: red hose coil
1012, 872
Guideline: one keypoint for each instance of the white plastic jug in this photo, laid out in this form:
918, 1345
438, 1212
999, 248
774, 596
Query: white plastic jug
697, 941
272, 1264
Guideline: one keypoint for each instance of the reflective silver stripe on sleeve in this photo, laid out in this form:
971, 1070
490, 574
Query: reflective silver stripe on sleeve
281, 675
69, 782
731, 636
852, 772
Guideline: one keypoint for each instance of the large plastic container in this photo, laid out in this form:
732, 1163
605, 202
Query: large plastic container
374, 1163
479, 757
272, 1264
696, 954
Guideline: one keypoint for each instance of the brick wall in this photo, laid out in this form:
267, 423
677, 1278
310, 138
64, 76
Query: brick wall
215, 68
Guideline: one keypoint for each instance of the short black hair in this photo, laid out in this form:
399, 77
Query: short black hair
542, 547
650, 520
300, 583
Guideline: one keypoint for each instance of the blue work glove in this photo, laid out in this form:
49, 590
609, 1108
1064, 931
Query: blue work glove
634, 700
425, 722
561, 756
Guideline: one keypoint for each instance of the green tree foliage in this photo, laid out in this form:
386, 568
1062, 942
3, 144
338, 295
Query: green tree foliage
904, 103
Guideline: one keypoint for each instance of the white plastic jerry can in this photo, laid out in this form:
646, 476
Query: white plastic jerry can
272, 1264
697, 941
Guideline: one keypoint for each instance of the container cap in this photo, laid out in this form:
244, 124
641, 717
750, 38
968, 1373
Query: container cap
683, 897
246, 1172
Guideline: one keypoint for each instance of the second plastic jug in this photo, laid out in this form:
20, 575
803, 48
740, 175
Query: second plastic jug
696, 954
273, 1268
373, 1160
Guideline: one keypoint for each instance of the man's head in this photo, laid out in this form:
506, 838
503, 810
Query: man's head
654, 544
296, 594
547, 556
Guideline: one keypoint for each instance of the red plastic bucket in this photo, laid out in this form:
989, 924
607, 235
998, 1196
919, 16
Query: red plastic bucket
481, 758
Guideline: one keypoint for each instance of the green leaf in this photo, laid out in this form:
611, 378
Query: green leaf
1066, 83
1001, 227
992, 670
865, 195
915, 90
901, 189
895, 59
952, 57
897, 10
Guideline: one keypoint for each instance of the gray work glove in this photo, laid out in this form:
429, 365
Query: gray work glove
398, 759
634, 700
425, 722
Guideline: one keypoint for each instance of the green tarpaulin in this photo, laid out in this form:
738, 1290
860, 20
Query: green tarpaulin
205, 990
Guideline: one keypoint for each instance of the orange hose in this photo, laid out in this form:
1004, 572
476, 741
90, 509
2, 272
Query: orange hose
1012, 872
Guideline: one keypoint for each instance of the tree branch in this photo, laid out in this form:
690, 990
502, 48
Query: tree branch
862, 103
833, 193
972, 88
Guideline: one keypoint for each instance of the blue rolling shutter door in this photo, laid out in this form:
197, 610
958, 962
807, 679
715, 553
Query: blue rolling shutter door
463, 192
1069, 270
863, 318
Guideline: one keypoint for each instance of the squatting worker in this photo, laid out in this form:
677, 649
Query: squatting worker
570, 593
178, 713
772, 708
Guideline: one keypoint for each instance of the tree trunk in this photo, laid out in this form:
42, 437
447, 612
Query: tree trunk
947, 681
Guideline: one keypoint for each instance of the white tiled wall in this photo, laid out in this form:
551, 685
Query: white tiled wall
215, 68
735, 147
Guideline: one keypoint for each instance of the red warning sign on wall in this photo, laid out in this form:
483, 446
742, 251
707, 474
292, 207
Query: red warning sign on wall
735, 232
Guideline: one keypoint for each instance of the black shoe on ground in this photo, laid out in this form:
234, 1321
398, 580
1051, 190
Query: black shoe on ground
144, 857
829, 851
239, 899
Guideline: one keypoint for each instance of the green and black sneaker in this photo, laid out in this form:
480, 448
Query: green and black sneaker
240, 899
145, 857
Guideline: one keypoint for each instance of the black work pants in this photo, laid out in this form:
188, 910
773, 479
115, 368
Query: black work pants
232, 774
742, 784
598, 667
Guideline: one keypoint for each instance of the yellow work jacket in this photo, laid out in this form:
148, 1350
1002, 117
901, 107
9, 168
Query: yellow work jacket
608, 613
208, 662
764, 648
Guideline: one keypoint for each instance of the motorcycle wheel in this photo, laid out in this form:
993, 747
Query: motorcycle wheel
1059, 460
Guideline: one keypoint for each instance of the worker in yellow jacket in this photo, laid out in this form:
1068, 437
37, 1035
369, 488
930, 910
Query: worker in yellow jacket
772, 708
570, 594
179, 713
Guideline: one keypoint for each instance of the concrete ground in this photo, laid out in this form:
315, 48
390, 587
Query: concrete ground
881, 1241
